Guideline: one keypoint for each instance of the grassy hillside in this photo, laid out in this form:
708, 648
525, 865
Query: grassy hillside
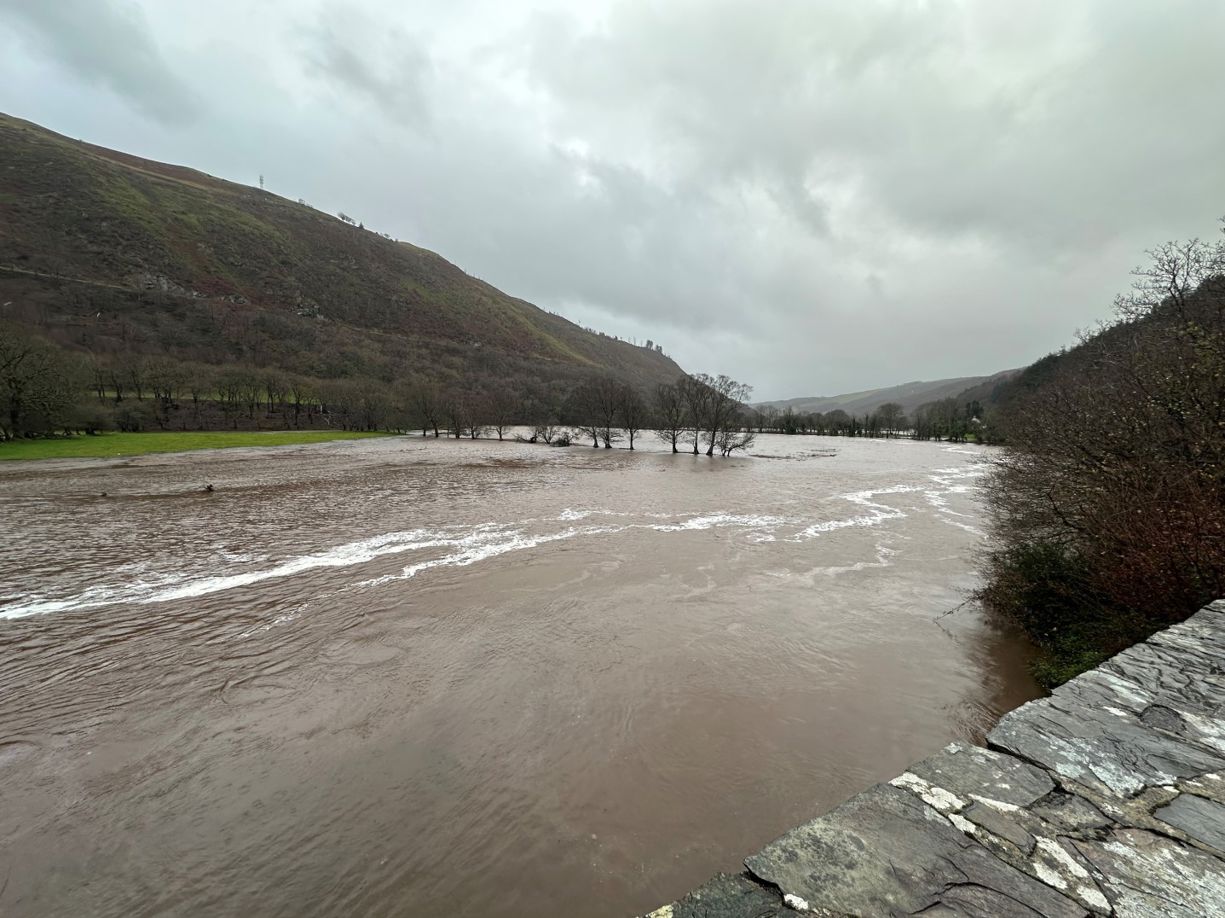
110, 254
909, 395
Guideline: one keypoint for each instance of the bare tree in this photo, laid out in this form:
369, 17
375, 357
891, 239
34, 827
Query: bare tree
671, 414
696, 396
546, 432
200, 385
501, 408
274, 391
131, 368
455, 414
427, 406
606, 406
164, 377
229, 395
1175, 270
370, 403
98, 377
890, 417
592, 430
302, 397
767, 418
594, 410
721, 406
252, 394
735, 435
633, 412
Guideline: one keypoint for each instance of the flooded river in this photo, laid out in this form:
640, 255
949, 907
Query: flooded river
405, 676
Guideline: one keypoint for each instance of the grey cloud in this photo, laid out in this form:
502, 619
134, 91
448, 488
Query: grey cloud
107, 41
1029, 124
385, 65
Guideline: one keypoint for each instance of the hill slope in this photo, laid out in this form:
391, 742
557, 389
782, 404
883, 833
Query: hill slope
909, 395
105, 252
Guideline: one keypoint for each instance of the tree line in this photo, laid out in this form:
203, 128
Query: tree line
48, 391
42, 388
701, 412
945, 419
1109, 498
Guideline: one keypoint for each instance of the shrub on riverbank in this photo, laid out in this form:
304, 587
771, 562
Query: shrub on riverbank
1109, 502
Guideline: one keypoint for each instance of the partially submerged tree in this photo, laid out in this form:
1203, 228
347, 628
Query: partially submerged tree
428, 409
696, 397
500, 411
734, 437
721, 406
633, 411
671, 414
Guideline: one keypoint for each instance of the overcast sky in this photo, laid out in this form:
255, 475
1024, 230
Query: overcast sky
814, 197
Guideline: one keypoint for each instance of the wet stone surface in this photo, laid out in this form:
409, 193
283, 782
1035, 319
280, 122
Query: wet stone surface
1107, 798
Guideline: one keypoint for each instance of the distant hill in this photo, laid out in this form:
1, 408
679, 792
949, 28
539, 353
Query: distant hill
105, 252
909, 395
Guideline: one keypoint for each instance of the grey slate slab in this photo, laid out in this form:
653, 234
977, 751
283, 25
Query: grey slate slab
1146, 875
970, 770
1203, 820
885, 852
729, 897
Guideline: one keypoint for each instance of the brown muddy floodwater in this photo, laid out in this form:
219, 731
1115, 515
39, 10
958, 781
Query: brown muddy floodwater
404, 677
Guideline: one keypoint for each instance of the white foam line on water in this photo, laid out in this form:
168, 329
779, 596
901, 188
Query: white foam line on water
482, 542
883, 556
473, 550
878, 512
168, 588
712, 521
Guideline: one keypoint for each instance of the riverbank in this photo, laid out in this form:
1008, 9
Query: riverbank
1107, 798
116, 445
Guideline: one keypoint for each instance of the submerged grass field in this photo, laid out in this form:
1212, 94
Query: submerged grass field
111, 445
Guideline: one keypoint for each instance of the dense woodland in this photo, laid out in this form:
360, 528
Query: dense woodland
1109, 500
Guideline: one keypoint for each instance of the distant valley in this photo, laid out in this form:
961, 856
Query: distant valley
909, 396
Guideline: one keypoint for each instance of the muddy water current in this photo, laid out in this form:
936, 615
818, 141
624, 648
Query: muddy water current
406, 676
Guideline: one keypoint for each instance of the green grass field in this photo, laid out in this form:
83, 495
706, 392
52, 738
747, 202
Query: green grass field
111, 445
